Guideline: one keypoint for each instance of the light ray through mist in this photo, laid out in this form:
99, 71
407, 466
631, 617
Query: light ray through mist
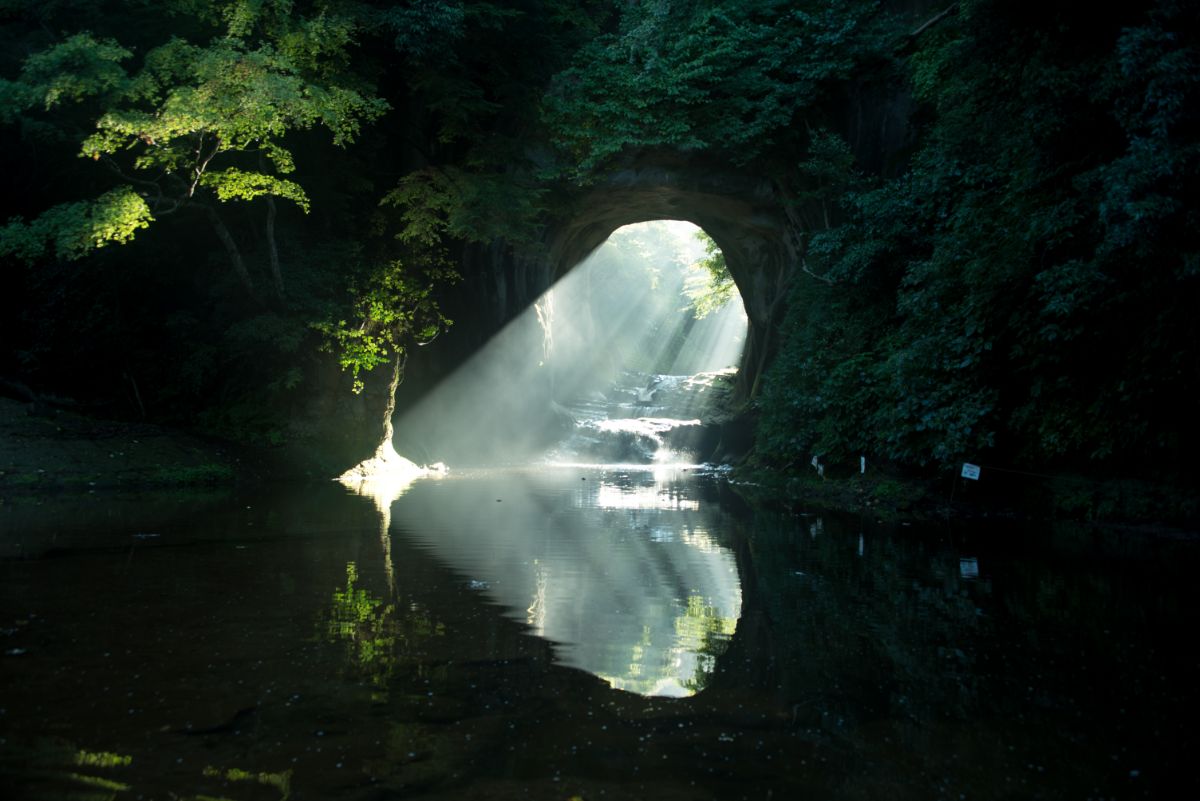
714, 343
620, 314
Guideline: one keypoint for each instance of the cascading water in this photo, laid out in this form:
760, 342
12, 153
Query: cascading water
645, 418
651, 387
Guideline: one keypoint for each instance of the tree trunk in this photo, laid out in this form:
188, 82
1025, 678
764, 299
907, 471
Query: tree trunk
389, 408
273, 253
231, 248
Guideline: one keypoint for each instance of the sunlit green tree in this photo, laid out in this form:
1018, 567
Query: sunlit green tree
190, 122
395, 308
709, 286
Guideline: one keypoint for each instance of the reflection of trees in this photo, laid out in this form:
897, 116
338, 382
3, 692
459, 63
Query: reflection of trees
379, 637
1049, 644
703, 631
683, 663
892, 630
54, 768
281, 781
383, 488
57, 769
603, 568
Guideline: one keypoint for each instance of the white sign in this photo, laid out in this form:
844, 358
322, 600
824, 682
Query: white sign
970, 471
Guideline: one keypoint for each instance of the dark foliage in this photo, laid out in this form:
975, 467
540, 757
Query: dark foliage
1018, 286
1024, 291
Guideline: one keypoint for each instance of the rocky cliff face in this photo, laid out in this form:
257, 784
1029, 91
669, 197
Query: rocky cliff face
741, 210
748, 213
746, 210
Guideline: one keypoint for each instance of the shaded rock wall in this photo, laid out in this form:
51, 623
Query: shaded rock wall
746, 211
740, 210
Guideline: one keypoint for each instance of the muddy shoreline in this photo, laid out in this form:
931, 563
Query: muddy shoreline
58, 450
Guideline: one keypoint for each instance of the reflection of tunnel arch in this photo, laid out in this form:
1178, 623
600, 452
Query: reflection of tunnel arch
741, 213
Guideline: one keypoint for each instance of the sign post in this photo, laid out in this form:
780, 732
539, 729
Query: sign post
970, 471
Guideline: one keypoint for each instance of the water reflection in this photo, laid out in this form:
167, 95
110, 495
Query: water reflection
619, 568
66, 771
379, 635
383, 489
658, 495
184, 665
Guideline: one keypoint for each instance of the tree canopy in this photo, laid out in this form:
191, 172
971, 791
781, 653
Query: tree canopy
210, 191
1022, 288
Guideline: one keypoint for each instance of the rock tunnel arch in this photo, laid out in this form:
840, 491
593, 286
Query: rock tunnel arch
498, 344
743, 214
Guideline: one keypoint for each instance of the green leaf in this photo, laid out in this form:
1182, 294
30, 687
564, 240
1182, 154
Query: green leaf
235, 184
71, 230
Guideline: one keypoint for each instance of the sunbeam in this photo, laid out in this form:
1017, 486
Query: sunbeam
602, 343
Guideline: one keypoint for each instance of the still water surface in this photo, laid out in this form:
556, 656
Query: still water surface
574, 632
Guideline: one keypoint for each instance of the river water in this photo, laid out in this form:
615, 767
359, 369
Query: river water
582, 632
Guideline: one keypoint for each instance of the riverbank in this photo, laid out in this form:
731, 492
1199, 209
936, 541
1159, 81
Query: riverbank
1153, 507
59, 450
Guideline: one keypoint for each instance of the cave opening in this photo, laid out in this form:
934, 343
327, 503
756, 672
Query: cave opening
627, 358
654, 300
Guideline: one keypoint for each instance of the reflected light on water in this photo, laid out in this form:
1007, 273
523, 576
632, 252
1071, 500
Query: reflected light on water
205, 646
381, 489
616, 491
610, 496
701, 539
383, 479
619, 569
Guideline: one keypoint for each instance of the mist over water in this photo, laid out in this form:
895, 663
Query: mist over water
602, 342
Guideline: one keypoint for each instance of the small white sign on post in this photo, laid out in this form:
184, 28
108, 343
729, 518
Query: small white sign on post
970, 471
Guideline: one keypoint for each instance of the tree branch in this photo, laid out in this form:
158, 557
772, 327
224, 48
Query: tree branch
911, 39
160, 204
273, 252
934, 20
115, 169
199, 169
821, 278
231, 248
